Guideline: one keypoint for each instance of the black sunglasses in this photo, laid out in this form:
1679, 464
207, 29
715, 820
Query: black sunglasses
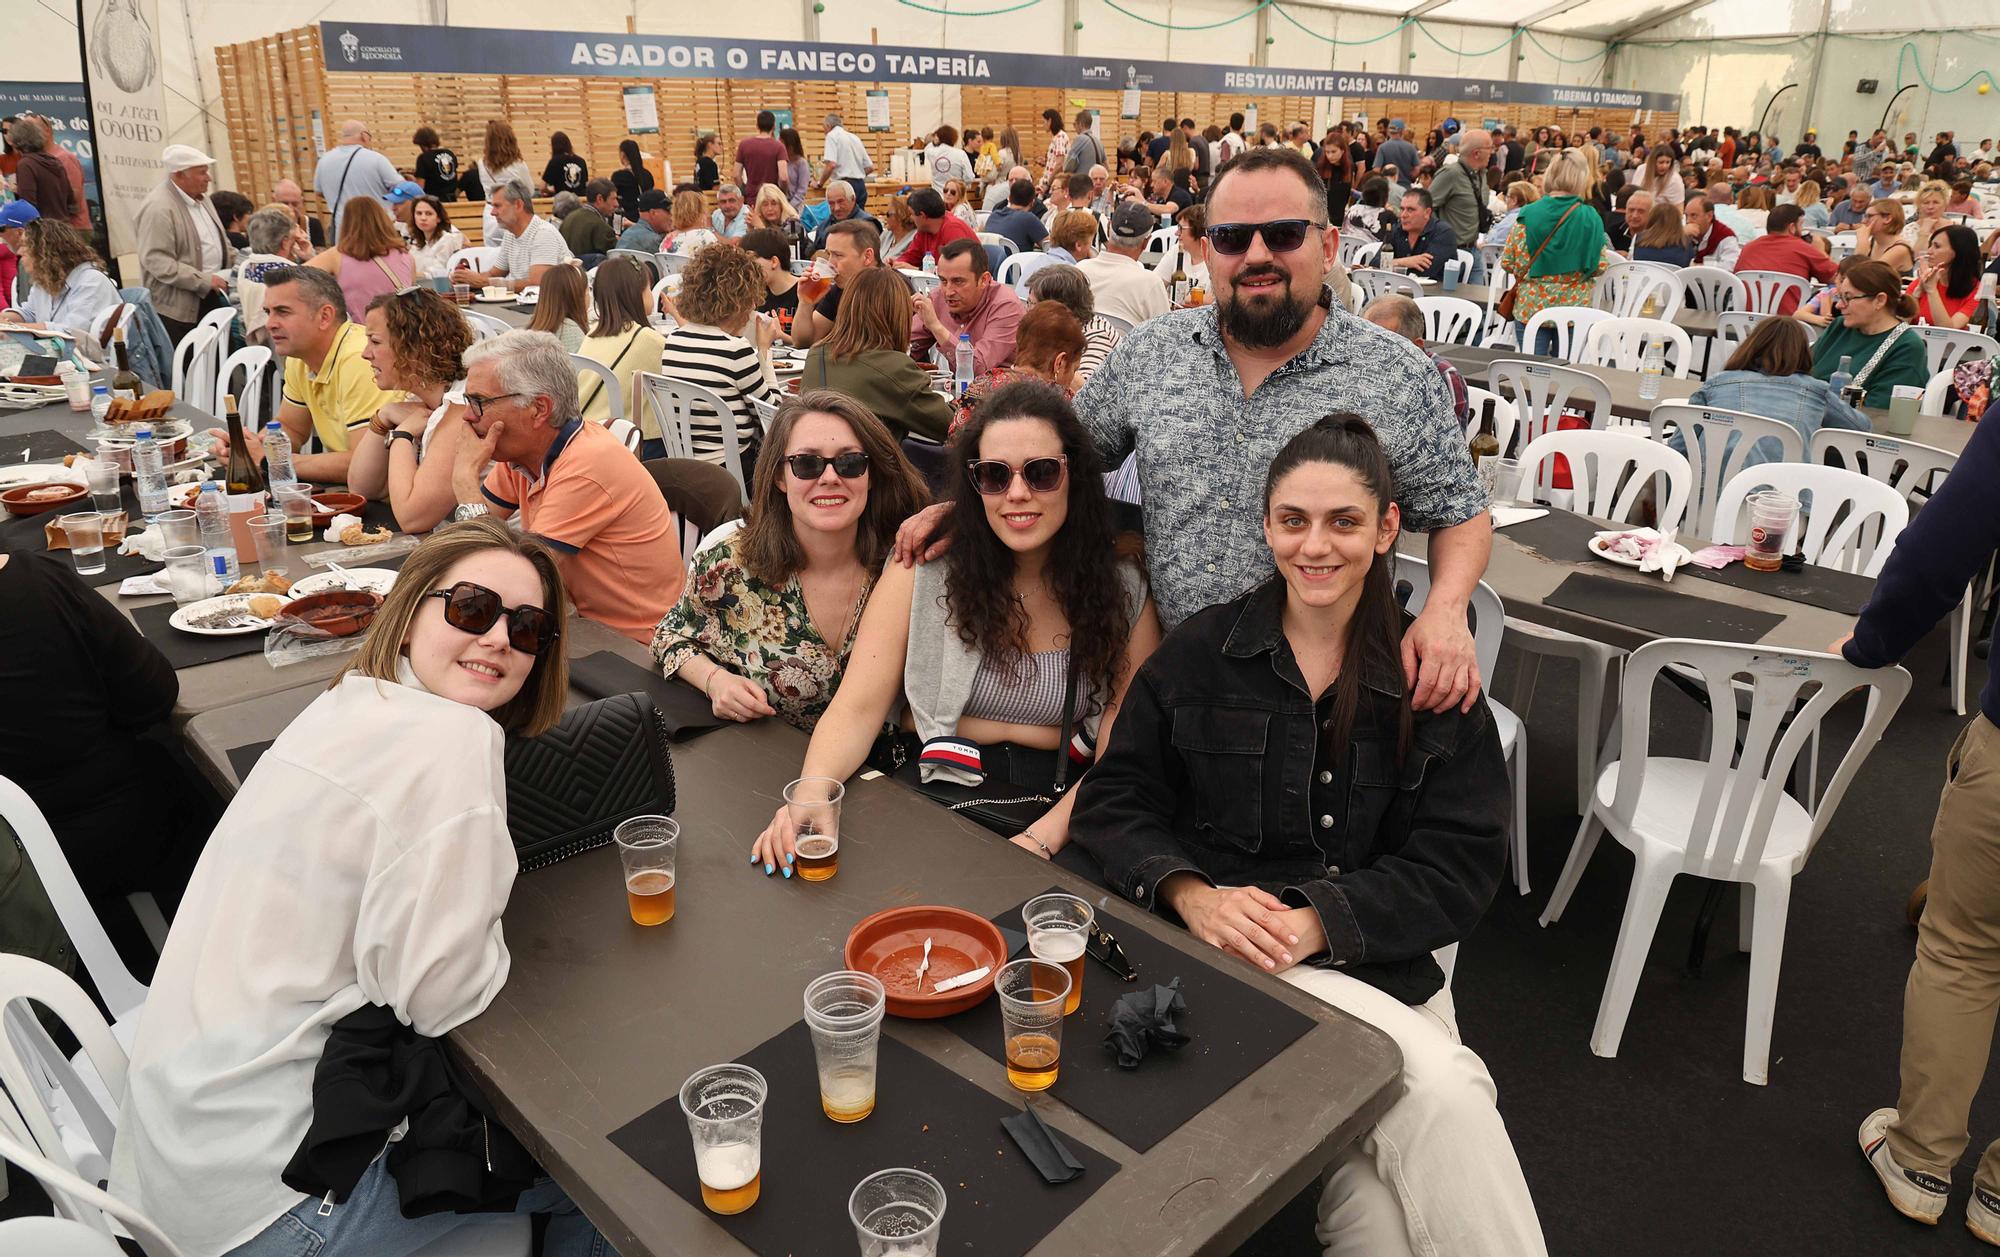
992, 477
1281, 235
849, 466
474, 609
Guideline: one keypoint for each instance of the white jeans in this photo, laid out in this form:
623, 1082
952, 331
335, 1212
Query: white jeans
1437, 1176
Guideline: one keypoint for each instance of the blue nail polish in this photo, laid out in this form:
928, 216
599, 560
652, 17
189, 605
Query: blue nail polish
753, 857
788, 873
768, 870
788, 857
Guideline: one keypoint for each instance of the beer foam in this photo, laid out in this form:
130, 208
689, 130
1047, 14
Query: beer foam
726, 1167
1055, 943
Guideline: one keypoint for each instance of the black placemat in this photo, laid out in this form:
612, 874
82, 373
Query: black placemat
1236, 1029
44, 446
244, 758
1661, 609
1564, 535
119, 566
602, 674
925, 1117
185, 650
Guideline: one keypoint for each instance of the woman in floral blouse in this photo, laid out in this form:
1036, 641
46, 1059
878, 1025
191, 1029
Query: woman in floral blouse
1556, 249
767, 620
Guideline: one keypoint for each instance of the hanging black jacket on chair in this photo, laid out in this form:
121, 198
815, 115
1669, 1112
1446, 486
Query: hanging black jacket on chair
456, 1157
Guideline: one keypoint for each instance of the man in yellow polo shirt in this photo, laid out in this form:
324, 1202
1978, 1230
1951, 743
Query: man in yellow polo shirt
329, 390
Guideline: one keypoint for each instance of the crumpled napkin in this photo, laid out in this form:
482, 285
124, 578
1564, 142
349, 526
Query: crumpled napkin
339, 525
1144, 1020
1718, 556
150, 544
1665, 556
142, 586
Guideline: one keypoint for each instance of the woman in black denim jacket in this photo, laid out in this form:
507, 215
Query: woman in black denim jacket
1268, 785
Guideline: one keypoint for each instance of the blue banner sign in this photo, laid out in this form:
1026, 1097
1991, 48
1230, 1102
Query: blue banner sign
384, 48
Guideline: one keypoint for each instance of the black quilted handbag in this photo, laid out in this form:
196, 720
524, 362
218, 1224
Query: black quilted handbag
569, 788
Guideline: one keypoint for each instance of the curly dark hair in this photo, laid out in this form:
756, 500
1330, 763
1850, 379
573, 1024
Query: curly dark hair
427, 335
1082, 572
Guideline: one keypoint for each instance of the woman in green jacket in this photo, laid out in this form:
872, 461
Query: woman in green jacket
1556, 250
1870, 333
867, 357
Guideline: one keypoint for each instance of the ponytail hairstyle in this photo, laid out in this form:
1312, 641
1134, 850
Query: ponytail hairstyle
1375, 634
1878, 279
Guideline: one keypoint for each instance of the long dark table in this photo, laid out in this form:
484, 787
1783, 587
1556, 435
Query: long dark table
600, 1019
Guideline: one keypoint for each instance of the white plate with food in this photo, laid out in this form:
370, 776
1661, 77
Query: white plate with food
374, 580
219, 616
1630, 547
37, 473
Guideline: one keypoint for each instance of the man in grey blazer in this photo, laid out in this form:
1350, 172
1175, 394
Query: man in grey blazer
182, 245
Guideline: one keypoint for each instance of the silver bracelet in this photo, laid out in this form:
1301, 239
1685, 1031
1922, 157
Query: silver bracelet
1029, 834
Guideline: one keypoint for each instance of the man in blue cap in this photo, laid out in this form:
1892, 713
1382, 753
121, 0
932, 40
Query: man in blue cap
399, 199
14, 215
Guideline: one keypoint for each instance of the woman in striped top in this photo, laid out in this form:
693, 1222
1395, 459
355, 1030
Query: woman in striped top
720, 289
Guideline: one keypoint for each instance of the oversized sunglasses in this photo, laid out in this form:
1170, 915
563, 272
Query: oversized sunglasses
1281, 235
849, 466
992, 477
474, 609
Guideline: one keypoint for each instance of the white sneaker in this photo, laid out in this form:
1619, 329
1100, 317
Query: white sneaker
1982, 1215
1913, 1193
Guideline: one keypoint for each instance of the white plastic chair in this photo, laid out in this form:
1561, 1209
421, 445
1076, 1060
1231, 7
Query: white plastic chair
671, 263
649, 262
1936, 390
197, 359
1121, 326
485, 326
1851, 523
1374, 282
1006, 245
1494, 334
254, 361
607, 381
65, 1119
1351, 247
1570, 324
1158, 245
1609, 470
1625, 288
1946, 347
479, 257
1712, 288
1621, 344
1541, 391
1764, 291
100, 327
1716, 442
627, 433
1718, 818
1449, 320
1910, 468
1479, 401
1489, 623
83, 1226
1018, 267
675, 406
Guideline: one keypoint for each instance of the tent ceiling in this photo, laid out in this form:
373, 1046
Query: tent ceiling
1592, 19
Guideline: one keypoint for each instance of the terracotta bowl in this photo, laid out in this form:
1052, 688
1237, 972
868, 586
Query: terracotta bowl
339, 612
20, 499
342, 504
890, 945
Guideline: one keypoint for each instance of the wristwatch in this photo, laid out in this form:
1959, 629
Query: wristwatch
468, 510
397, 434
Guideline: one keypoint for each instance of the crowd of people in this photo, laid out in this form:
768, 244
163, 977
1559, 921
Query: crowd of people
937, 583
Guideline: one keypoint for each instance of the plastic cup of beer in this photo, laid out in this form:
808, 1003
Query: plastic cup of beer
844, 1013
1032, 995
1058, 927
897, 1213
646, 846
85, 530
1772, 518
814, 804
295, 504
725, 1112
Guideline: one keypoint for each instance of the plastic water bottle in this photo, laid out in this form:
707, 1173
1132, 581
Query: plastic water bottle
930, 263
964, 364
100, 403
211, 516
1840, 379
149, 475
277, 456
1652, 365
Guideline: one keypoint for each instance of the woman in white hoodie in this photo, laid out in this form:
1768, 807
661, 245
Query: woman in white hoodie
366, 860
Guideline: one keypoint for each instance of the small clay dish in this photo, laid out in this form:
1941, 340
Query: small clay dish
34, 499
890, 945
337, 612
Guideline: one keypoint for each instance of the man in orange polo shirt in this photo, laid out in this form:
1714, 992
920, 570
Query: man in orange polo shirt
575, 486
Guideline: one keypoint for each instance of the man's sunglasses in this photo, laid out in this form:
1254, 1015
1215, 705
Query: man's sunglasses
474, 609
849, 466
992, 477
1281, 235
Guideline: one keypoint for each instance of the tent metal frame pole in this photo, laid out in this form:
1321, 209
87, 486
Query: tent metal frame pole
1818, 67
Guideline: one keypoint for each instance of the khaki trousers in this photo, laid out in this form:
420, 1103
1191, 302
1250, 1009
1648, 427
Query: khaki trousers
1953, 993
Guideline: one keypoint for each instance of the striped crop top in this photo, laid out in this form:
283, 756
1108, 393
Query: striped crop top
1034, 697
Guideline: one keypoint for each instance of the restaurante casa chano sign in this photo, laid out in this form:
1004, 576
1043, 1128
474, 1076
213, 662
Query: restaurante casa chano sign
373, 47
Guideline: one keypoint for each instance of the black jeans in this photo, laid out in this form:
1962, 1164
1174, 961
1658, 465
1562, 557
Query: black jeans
860, 187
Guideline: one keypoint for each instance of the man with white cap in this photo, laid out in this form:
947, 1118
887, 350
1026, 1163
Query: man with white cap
182, 244
352, 169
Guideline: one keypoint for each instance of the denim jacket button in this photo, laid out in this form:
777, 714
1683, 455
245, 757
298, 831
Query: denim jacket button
1324, 776
1326, 822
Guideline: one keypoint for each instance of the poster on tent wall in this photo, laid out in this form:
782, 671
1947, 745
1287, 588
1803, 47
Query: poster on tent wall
122, 59
63, 105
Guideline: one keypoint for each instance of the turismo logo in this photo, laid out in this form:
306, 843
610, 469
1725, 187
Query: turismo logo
1095, 73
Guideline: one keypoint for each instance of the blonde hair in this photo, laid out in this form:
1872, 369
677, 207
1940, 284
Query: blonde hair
772, 192
539, 705
1807, 195
689, 210
1523, 193
1570, 174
